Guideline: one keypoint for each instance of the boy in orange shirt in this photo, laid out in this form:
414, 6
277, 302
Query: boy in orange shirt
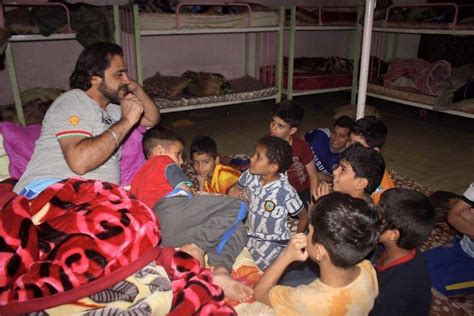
213, 176
342, 232
371, 132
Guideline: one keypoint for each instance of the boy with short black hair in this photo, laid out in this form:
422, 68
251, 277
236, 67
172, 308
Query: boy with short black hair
359, 173
342, 232
371, 132
213, 176
328, 144
404, 281
271, 200
302, 174
197, 224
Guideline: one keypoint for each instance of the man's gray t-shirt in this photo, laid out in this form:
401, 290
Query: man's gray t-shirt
74, 113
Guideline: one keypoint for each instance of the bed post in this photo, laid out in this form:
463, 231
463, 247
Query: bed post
356, 55
138, 44
14, 82
117, 28
364, 69
279, 66
291, 53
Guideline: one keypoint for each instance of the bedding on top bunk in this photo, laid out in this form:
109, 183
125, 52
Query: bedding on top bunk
158, 17
423, 17
330, 16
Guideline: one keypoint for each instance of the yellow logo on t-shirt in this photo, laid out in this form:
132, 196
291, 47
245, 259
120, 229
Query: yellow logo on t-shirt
269, 206
74, 119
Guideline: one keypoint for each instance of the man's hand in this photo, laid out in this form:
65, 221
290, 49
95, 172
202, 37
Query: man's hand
323, 189
468, 215
296, 248
134, 87
132, 108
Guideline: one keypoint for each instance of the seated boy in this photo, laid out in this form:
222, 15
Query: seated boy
371, 132
213, 176
359, 173
452, 268
302, 174
342, 232
197, 224
404, 281
271, 199
328, 144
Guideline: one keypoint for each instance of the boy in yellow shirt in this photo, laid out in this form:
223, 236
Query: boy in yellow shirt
213, 176
343, 230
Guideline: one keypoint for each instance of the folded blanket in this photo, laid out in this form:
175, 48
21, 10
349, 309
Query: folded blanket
417, 75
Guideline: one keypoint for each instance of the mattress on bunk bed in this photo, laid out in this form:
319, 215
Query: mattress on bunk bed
468, 25
305, 82
243, 89
332, 16
467, 107
167, 21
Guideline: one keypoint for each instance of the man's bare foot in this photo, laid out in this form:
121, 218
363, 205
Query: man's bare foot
232, 289
196, 252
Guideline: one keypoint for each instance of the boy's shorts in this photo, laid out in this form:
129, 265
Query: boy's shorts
305, 197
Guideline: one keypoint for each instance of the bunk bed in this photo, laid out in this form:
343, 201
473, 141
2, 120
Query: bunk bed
398, 19
247, 20
302, 80
64, 34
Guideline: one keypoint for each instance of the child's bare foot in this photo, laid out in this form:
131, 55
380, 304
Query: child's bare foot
232, 289
196, 252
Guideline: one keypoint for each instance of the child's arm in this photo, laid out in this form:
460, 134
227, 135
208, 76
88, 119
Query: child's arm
237, 191
458, 221
302, 220
313, 177
323, 189
294, 251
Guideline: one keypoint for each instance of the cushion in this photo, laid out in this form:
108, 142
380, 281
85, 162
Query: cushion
19, 143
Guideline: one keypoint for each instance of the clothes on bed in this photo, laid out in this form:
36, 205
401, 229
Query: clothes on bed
452, 268
325, 158
297, 174
404, 285
223, 178
385, 184
269, 207
72, 114
317, 298
213, 223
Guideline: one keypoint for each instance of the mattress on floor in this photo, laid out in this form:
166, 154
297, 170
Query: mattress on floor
244, 89
467, 107
168, 21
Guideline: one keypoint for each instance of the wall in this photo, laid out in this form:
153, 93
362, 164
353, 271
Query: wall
52, 62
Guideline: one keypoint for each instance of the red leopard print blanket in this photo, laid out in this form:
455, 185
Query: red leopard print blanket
79, 237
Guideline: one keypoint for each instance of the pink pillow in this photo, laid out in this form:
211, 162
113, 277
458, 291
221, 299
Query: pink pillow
132, 155
19, 143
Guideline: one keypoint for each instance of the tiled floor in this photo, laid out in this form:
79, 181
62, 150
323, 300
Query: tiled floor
437, 150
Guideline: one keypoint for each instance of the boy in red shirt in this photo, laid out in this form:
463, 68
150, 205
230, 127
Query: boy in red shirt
197, 224
302, 174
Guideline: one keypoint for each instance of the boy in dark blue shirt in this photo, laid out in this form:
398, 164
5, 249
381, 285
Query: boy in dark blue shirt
404, 281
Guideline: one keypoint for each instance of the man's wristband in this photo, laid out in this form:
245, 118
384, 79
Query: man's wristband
114, 137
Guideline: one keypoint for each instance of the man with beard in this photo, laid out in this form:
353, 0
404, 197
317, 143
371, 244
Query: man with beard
83, 129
